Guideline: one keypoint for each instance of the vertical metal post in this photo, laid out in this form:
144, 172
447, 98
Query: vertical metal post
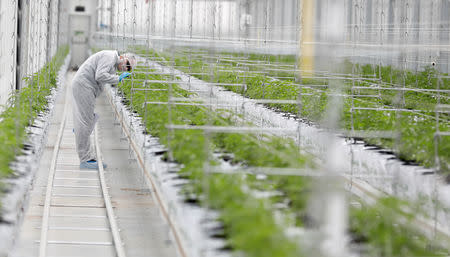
297, 77
47, 22
14, 39
30, 37
1, 50
111, 23
19, 44
307, 37
149, 19
191, 16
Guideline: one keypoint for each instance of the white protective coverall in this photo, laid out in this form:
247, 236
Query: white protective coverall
88, 83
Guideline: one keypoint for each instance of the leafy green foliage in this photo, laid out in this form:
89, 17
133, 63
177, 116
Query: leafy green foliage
23, 107
387, 234
417, 127
248, 222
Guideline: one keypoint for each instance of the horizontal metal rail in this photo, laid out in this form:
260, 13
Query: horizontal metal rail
188, 104
118, 245
403, 89
157, 194
389, 109
50, 196
48, 193
231, 129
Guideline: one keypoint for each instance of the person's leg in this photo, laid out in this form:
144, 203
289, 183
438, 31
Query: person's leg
83, 120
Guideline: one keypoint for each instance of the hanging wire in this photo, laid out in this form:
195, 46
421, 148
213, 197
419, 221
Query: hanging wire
13, 46
1, 51
13, 70
371, 24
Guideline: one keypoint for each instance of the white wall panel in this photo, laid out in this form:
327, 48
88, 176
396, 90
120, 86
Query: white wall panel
29, 38
8, 19
409, 33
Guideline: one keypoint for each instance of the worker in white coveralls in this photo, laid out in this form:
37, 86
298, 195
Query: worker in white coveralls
98, 70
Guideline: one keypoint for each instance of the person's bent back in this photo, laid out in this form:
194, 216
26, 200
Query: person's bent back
98, 70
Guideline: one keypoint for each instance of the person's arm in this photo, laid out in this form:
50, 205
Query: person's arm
102, 74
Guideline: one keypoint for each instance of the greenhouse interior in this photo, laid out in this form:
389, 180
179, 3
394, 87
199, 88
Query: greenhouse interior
228, 128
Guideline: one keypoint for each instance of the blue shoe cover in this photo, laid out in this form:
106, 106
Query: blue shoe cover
91, 165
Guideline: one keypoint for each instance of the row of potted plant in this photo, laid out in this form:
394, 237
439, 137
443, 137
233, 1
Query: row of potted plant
23, 107
250, 223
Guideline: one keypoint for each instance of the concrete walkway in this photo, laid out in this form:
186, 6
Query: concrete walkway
143, 230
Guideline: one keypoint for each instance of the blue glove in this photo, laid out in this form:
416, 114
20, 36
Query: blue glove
124, 75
